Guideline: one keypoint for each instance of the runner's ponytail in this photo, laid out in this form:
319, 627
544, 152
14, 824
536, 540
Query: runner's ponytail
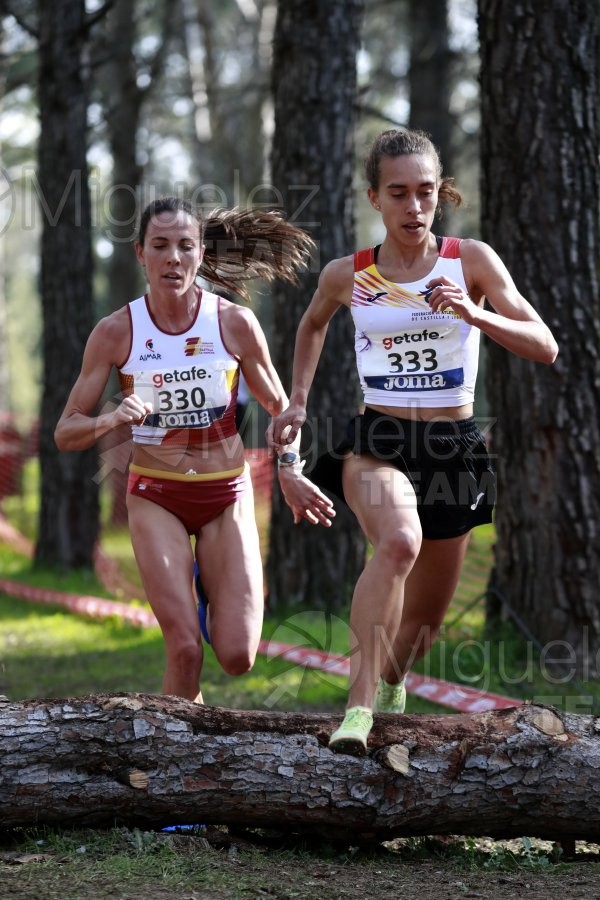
244, 244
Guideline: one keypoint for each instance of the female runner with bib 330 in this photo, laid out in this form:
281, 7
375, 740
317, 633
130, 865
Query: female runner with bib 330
179, 351
416, 471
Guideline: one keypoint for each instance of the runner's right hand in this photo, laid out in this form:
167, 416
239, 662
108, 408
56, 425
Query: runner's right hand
284, 428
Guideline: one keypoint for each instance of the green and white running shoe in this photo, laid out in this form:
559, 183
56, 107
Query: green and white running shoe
390, 698
351, 736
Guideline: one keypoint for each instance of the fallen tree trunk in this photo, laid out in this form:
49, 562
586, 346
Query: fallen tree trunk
151, 761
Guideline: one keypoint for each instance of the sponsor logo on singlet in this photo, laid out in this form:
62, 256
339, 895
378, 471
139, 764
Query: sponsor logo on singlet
410, 337
194, 346
197, 418
419, 382
177, 375
151, 354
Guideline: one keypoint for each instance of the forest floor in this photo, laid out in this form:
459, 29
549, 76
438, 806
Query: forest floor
127, 865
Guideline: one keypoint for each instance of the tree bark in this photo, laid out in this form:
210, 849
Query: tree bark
540, 139
431, 79
152, 761
430, 74
122, 99
314, 83
69, 510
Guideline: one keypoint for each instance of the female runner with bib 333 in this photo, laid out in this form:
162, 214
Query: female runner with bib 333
416, 471
179, 351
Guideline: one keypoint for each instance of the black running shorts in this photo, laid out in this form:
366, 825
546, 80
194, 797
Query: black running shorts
446, 462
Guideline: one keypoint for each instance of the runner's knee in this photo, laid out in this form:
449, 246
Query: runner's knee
185, 652
401, 547
236, 661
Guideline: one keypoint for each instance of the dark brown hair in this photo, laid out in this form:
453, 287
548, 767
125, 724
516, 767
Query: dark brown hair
241, 244
406, 142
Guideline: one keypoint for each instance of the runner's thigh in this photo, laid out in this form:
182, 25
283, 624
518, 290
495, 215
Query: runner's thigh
165, 559
228, 554
381, 497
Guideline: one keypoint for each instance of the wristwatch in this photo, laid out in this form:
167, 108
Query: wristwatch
289, 458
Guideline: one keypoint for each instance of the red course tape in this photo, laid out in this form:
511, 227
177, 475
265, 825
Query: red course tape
454, 696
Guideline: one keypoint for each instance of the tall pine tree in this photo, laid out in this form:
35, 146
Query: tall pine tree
69, 509
540, 140
314, 85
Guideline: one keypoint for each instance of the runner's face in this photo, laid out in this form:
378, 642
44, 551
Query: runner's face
171, 252
407, 196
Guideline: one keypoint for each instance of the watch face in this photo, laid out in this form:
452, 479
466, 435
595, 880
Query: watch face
288, 458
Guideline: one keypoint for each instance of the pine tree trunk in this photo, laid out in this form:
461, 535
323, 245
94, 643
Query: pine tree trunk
430, 74
314, 82
124, 275
123, 119
430, 77
68, 524
540, 143
152, 761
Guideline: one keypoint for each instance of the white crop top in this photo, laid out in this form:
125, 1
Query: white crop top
406, 355
190, 378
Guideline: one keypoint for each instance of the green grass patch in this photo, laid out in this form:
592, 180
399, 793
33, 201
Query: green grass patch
16, 567
48, 652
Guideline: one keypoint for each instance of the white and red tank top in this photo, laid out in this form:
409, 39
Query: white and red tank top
190, 377
407, 355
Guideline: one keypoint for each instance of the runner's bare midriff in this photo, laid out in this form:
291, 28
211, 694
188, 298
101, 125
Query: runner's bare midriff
218, 456
425, 414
